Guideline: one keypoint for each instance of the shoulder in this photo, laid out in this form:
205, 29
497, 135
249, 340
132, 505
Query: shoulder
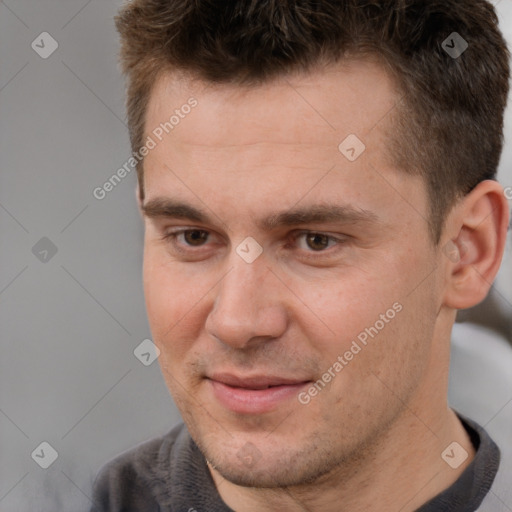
135, 479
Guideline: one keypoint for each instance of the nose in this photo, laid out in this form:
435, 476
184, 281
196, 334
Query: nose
249, 306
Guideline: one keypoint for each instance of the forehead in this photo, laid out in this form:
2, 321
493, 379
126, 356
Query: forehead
278, 143
320, 107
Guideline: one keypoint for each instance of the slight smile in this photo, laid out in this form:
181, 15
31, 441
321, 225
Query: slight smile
255, 394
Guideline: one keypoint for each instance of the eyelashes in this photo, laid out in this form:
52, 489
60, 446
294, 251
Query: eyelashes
310, 244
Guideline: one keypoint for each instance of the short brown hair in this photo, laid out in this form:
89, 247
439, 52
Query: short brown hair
449, 125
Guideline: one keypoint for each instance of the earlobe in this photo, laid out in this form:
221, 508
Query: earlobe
477, 233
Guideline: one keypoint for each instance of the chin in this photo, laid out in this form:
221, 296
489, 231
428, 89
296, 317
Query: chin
269, 466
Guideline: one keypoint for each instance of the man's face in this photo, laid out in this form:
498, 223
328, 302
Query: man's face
346, 272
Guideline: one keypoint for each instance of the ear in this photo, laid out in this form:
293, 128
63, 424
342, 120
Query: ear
473, 243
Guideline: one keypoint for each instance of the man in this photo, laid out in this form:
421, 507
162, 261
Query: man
317, 184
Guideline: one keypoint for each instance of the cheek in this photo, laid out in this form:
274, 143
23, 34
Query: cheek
374, 315
175, 306
347, 305
173, 299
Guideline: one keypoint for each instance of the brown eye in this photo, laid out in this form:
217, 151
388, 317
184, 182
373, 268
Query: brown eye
317, 241
195, 237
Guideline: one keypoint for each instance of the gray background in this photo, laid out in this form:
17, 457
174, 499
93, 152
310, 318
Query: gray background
70, 323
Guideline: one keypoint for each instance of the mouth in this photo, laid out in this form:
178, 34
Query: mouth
254, 394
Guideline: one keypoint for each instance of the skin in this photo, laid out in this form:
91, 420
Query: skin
372, 439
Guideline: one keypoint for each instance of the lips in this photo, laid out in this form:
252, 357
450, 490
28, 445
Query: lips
255, 382
254, 394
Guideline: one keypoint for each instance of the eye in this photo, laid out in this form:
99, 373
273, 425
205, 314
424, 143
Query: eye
188, 237
316, 242
195, 237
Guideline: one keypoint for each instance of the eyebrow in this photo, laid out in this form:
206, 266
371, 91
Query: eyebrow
163, 207
316, 213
